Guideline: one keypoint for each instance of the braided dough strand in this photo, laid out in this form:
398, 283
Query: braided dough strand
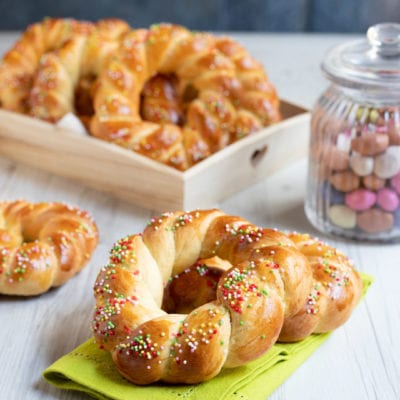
72, 68
215, 105
42, 245
19, 64
336, 290
168, 93
265, 287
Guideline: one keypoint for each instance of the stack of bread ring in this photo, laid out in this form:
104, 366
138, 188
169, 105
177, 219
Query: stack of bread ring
165, 92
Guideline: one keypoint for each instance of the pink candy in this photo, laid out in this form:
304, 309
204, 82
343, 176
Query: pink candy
387, 199
360, 199
395, 183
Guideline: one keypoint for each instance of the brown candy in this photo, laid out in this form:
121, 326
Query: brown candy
345, 181
393, 133
337, 160
329, 155
375, 220
370, 144
328, 159
323, 172
372, 182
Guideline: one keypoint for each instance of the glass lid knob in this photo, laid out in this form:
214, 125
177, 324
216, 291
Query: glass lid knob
385, 39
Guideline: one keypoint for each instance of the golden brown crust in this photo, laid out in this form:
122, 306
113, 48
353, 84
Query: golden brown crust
266, 286
42, 245
160, 101
336, 290
225, 95
199, 92
74, 64
19, 64
194, 286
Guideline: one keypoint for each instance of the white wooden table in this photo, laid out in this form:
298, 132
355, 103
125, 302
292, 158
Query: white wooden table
360, 360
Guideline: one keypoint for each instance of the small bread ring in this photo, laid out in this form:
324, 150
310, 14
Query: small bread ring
42, 245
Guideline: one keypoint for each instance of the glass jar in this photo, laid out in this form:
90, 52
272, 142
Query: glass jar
353, 186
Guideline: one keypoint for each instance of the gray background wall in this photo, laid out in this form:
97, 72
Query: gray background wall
216, 15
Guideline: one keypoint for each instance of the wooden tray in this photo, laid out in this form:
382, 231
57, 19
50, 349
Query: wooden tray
145, 182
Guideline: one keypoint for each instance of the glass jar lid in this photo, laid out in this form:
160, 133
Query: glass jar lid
371, 62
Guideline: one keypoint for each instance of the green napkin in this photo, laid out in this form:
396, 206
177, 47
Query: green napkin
92, 371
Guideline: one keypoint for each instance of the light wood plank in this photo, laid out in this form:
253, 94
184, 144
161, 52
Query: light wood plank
145, 182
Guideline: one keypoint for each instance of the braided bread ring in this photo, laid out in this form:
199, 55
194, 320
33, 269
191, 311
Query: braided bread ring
42, 245
272, 287
19, 64
219, 109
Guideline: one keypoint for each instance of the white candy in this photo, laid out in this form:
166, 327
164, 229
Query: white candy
387, 164
72, 123
361, 165
343, 142
342, 216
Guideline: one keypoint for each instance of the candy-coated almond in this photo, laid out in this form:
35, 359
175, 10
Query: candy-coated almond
387, 199
330, 156
387, 165
372, 182
375, 220
360, 199
361, 165
343, 142
335, 196
345, 181
370, 144
338, 160
395, 183
342, 216
393, 133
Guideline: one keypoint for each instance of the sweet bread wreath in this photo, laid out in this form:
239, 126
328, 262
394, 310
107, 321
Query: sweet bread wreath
225, 92
42, 245
242, 289
101, 72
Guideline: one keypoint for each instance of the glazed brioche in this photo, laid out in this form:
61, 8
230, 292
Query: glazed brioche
257, 102
70, 71
160, 101
165, 92
212, 83
42, 245
19, 64
251, 287
53, 87
335, 291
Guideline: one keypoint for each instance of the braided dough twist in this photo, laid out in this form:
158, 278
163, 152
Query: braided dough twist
160, 102
19, 64
268, 286
226, 95
53, 58
211, 91
42, 245
71, 70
